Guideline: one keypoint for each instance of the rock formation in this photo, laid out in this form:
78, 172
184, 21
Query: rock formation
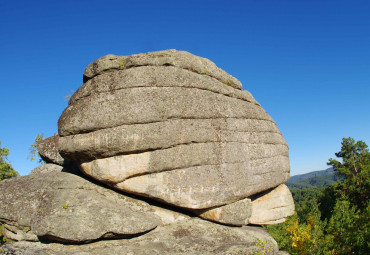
162, 152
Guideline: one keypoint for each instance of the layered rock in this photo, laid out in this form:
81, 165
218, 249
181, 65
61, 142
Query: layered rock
173, 127
48, 151
65, 207
181, 59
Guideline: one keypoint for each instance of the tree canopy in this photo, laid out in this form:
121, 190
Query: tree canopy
355, 168
34, 153
6, 169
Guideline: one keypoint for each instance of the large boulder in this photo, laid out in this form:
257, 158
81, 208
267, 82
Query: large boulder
65, 207
173, 127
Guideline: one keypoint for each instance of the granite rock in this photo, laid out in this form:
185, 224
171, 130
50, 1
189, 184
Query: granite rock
237, 213
182, 59
65, 207
272, 207
48, 150
194, 236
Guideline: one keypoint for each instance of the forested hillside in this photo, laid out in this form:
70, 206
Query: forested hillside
322, 178
331, 219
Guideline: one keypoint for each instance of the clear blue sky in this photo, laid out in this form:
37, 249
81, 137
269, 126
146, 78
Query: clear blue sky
307, 62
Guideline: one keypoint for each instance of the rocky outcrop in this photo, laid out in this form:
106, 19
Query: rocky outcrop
186, 237
64, 207
162, 152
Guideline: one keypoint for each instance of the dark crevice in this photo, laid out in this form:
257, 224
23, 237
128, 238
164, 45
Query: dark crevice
48, 239
258, 195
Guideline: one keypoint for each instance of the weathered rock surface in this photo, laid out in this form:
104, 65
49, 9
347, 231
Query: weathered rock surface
119, 168
182, 59
202, 187
65, 207
48, 167
237, 213
48, 150
137, 138
13, 233
152, 104
159, 76
169, 216
273, 207
194, 236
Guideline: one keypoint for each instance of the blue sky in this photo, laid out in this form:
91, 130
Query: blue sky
306, 62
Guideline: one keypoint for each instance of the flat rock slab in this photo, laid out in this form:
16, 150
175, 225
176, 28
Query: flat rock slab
272, 207
208, 186
65, 207
48, 150
267, 208
136, 138
181, 59
186, 237
113, 170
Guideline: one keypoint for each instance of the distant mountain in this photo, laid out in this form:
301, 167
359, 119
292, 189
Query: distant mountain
323, 178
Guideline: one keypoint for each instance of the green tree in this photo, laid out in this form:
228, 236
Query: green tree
355, 168
349, 227
34, 153
6, 169
302, 233
345, 205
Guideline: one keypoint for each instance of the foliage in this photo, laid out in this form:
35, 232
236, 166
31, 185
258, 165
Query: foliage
69, 96
34, 149
1, 235
336, 219
349, 227
304, 198
302, 233
264, 247
6, 169
3, 239
355, 168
